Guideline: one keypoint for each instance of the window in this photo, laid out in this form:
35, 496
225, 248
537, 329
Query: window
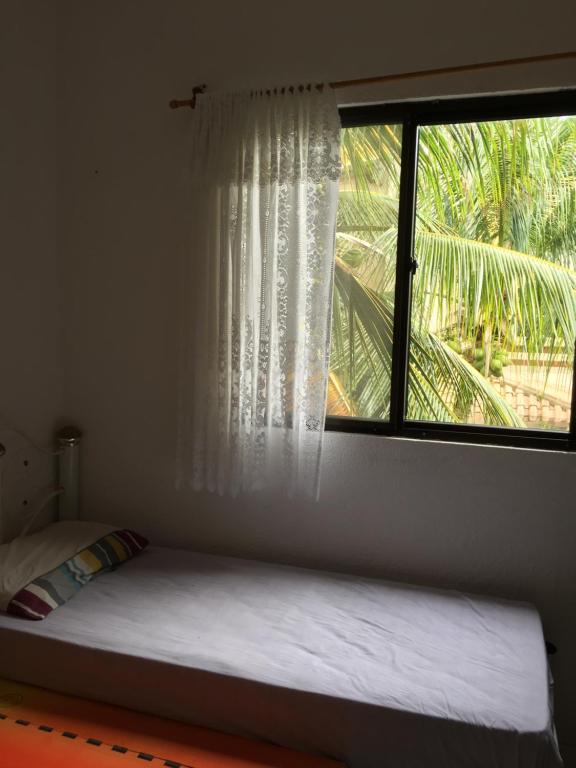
454, 311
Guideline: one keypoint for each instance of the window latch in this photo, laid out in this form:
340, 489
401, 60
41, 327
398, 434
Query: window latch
413, 266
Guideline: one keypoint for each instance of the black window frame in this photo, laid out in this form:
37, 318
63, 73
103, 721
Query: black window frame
411, 115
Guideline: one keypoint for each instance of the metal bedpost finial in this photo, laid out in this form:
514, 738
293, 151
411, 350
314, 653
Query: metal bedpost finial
69, 473
69, 435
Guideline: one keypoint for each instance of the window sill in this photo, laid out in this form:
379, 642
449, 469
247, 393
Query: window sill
455, 434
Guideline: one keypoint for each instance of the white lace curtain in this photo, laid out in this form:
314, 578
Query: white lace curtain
258, 290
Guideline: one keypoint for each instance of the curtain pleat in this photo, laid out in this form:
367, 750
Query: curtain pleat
257, 291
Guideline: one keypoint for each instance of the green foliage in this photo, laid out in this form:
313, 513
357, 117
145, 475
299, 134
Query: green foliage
496, 243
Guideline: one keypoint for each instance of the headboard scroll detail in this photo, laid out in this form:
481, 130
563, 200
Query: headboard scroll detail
31, 476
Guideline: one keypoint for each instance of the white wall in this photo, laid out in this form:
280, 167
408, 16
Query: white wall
489, 519
30, 183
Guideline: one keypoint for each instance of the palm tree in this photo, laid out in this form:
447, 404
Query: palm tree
496, 244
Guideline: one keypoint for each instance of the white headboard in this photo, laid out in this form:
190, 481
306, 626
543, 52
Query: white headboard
31, 476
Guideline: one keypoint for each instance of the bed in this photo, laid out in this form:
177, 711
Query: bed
377, 674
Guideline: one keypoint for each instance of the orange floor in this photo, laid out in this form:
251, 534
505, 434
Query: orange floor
43, 729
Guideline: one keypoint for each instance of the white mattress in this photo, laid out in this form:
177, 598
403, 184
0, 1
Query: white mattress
371, 672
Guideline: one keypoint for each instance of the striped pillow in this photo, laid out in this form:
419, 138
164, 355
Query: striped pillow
41, 596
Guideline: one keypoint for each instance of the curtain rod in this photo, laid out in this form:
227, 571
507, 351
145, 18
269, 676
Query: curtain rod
177, 103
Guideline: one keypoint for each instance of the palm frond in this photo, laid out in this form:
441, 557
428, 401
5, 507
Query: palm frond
496, 245
360, 363
467, 284
434, 364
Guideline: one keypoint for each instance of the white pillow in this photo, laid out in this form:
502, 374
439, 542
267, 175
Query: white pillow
25, 559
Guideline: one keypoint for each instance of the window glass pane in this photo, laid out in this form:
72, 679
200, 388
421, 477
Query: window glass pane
365, 271
494, 297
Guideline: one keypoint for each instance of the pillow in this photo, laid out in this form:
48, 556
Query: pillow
27, 557
42, 571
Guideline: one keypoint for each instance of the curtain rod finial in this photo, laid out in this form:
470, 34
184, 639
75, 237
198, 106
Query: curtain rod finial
196, 91
177, 103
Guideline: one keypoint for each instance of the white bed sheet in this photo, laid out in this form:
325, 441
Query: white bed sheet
371, 672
